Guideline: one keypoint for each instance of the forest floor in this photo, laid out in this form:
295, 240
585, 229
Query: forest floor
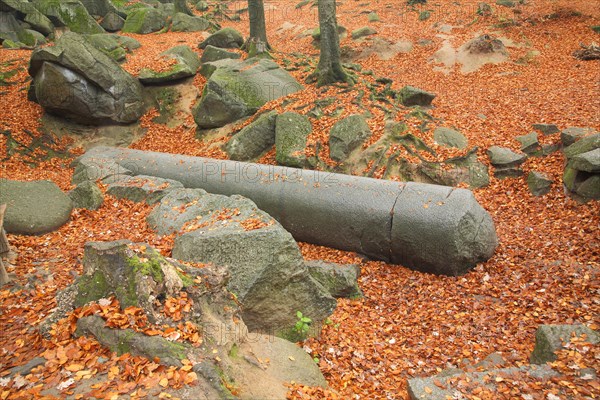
546, 269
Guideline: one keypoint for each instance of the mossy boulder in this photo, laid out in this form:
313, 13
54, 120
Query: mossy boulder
340, 280
291, 133
99, 8
68, 13
212, 53
87, 195
267, 271
538, 183
29, 14
74, 79
187, 23
412, 96
362, 32
254, 139
186, 65
123, 341
226, 38
450, 138
109, 45
112, 22
346, 135
237, 89
145, 20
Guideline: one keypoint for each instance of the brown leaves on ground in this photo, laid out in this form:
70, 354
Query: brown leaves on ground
546, 269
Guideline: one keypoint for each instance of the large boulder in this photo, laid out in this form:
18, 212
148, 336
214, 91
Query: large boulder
35, 207
99, 8
346, 135
254, 139
268, 274
187, 23
226, 38
214, 335
239, 88
186, 65
69, 13
30, 15
76, 80
112, 22
291, 134
145, 20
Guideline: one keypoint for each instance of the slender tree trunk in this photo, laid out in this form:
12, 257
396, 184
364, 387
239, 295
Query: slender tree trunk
4, 247
182, 7
257, 42
329, 69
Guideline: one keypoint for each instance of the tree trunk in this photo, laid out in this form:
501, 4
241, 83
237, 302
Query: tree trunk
329, 69
182, 7
4, 247
257, 42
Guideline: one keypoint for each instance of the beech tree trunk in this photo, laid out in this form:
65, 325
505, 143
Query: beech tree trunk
257, 42
329, 69
4, 248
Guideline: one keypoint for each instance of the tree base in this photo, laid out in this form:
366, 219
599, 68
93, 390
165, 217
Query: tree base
327, 76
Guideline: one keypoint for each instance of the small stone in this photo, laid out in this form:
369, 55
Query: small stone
373, 17
546, 129
548, 149
484, 9
506, 3
87, 195
143, 188
362, 32
538, 183
450, 138
503, 173
412, 96
339, 280
551, 338
505, 158
529, 143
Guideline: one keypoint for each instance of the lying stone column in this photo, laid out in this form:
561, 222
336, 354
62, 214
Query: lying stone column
429, 228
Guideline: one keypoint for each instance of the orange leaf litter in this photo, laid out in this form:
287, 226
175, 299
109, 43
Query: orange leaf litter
546, 269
